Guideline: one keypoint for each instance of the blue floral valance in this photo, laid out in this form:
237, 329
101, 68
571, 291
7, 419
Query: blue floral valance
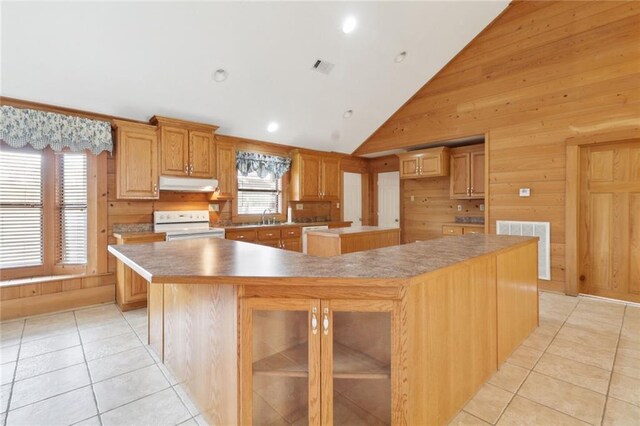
39, 129
247, 162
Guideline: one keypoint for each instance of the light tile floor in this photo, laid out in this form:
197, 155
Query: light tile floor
91, 367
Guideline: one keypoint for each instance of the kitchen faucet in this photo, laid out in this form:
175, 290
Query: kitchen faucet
264, 213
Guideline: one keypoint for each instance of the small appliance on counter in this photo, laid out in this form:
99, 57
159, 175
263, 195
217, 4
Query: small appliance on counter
184, 225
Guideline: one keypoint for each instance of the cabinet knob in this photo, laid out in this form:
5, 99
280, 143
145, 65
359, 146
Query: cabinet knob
240, 237
325, 322
191, 168
314, 321
472, 189
186, 169
155, 188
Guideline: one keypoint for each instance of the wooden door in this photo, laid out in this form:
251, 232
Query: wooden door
201, 152
331, 179
476, 184
410, 167
352, 198
226, 169
359, 346
136, 162
389, 199
610, 221
280, 361
174, 152
460, 167
310, 179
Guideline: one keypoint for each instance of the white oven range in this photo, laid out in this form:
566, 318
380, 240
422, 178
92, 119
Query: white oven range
184, 225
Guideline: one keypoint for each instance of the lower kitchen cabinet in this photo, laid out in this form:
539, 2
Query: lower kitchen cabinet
462, 229
287, 238
317, 361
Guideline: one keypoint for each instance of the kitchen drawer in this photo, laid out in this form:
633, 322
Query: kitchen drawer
241, 235
472, 230
268, 234
452, 230
290, 233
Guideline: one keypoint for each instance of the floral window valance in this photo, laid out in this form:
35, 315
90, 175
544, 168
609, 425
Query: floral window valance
247, 162
39, 129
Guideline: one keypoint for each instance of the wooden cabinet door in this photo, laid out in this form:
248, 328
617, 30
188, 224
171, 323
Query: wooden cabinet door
280, 361
310, 177
331, 179
201, 152
359, 344
460, 185
226, 169
136, 162
477, 175
431, 165
293, 244
136, 287
410, 167
174, 151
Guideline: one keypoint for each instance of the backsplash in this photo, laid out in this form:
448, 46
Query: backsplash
119, 228
318, 211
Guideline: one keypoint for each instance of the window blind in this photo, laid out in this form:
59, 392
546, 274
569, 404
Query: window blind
256, 194
71, 204
21, 209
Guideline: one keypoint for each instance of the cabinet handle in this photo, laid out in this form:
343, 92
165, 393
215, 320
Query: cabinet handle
155, 188
325, 321
472, 189
314, 321
191, 168
186, 169
240, 237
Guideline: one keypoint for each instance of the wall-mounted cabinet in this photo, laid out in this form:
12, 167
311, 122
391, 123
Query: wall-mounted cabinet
226, 169
314, 177
432, 162
186, 149
467, 172
136, 161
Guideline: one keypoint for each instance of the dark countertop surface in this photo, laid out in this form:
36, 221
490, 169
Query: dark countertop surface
213, 260
353, 230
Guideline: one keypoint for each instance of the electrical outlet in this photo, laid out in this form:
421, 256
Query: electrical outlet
459, 207
213, 207
481, 207
525, 192
299, 206
337, 205
413, 198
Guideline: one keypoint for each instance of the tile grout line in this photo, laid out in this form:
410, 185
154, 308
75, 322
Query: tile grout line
86, 364
13, 379
615, 356
535, 364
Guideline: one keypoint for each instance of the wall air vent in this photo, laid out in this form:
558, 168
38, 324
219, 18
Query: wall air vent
323, 67
541, 230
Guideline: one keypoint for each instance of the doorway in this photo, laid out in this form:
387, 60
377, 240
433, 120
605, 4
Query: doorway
352, 198
389, 199
609, 220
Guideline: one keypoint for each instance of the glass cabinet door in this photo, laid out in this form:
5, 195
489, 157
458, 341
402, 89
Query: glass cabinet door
356, 362
280, 362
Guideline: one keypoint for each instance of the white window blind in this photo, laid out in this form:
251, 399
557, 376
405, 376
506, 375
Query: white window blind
71, 206
21, 209
256, 194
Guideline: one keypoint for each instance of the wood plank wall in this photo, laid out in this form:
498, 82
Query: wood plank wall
542, 72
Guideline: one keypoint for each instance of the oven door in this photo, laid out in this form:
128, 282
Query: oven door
193, 235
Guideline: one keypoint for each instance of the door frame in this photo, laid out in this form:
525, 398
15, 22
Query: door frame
574, 148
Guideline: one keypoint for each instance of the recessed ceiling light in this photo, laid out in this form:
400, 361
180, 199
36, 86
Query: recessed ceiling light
220, 75
272, 127
349, 25
347, 114
401, 56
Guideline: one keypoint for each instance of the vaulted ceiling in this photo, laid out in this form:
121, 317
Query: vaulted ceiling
136, 59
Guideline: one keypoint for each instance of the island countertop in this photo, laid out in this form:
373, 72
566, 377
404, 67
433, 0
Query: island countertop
353, 230
213, 260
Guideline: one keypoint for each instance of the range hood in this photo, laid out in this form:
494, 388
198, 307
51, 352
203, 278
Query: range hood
186, 184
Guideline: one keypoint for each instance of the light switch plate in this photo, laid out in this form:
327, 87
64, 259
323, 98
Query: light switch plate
459, 207
337, 205
299, 206
481, 207
213, 207
525, 192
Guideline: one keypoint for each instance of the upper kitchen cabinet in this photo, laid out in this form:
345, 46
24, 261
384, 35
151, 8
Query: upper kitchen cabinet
186, 148
432, 162
226, 165
467, 172
314, 177
136, 161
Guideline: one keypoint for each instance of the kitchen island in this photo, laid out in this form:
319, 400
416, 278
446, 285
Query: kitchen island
401, 335
334, 242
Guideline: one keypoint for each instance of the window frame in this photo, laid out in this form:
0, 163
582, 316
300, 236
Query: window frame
49, 223
250, 218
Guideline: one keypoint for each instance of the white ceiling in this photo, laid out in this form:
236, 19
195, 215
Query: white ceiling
137, 59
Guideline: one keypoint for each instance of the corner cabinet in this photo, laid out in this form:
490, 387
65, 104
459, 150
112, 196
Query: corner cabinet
136, 161
314, 177
467, 172
186, 149
432, 162
316, 361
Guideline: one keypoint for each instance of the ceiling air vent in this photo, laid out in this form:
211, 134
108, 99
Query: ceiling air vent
323, 66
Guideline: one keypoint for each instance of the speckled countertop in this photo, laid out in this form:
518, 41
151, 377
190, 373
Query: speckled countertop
354, 230
213, 260
279, 225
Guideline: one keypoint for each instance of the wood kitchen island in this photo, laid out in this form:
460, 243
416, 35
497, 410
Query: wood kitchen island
334, 242
397, 335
